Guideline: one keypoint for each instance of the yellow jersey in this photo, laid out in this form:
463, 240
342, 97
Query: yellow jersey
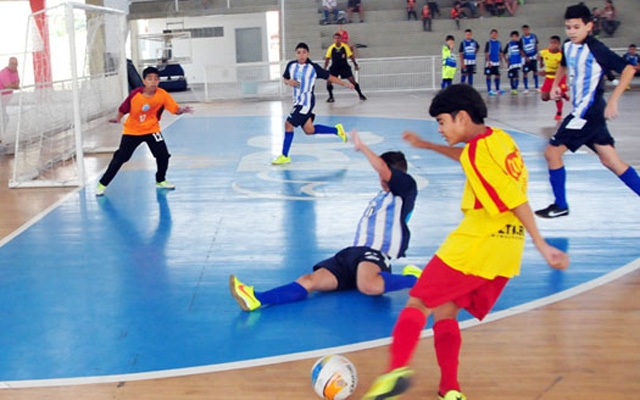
490, 239
551, 62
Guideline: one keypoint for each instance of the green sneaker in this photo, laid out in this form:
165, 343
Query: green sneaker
165, 185
452, 395
281, 159
100, 189
243, 294
390, 385
412, 270
341, 133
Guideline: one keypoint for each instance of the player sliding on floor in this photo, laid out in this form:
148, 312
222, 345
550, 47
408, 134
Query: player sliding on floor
382, 235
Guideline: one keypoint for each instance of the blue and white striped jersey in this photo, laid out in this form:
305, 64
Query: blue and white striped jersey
469, 48
586, 64
383, 226
306, 74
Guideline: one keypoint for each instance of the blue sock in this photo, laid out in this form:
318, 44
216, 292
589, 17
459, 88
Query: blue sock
526, 83
497, 82
394, 282
470, 79
488, 84
282, 294
324, 129
516, 82
442, 84
630, 178
535, 80
558, 177
463, 78
286, 144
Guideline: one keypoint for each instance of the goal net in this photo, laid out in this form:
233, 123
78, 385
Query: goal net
77, 55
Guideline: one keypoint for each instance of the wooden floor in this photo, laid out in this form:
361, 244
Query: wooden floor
581, 348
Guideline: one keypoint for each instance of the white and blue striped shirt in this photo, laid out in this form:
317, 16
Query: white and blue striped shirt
306, 74
586, 64
383, 226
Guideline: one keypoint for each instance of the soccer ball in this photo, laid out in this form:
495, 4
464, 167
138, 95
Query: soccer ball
334, 377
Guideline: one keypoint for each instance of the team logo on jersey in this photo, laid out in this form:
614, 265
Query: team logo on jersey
146, 108
514, 164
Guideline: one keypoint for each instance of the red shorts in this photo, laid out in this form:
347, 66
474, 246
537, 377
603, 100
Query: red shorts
440, 284
548, 83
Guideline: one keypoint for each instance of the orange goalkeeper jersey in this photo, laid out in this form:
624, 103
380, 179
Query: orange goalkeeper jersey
490, 239
145, 112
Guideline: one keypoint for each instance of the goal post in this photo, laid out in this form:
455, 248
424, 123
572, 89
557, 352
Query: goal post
79, 88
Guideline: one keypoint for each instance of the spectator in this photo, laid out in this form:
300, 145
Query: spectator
632, 57
511, 6
426, 18
457, 13
490, 6
355, 6
330, 6
500, 8
472, 6
411, 10
609, 22
595, 18
9, 81
433, 8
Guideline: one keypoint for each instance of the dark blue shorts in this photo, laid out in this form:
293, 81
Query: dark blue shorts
514, 73
343, 72
296, 118
344, 265
530, 66
594, 132
469, 69
495, 70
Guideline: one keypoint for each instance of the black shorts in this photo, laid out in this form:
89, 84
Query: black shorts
594, 132
354, 4
344, 264
296, 118
514, 73
494, 70
343, 72
469, 69
530, 66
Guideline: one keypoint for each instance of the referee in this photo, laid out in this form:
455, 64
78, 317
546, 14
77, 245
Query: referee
338, 53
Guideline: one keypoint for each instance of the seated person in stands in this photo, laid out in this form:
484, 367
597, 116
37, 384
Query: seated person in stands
609, 18
511, 6
411, 10
355, 6
490, 6
595, 19
457, 13
633, 58
330, 6
433, 8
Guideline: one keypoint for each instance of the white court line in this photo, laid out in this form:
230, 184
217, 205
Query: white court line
172, 373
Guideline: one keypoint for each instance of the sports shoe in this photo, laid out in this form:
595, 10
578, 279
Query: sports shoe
281, 159
492, 93
553, 211
452, 395
341, 133
390, 385
363, 97
514, 92
526, 91
165, 185
558, 116
243, 294
500, 92
100, 189
331, 100
412, 270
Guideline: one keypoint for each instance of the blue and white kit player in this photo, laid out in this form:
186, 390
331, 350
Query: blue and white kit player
382, 235
468, 51
301, 74
529, 43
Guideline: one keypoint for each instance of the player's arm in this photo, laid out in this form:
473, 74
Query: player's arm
376, 162
611, 110
413, 139
351, 56
556, 258
556, 92
117, 119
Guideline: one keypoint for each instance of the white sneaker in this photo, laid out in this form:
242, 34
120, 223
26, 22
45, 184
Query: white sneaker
100, 189
165, 185
615, 82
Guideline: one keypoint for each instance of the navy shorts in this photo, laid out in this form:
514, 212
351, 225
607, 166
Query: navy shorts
344, 264
495, 70
514, 73
469, 69
594, 132
530, 66
343, 72
296, 118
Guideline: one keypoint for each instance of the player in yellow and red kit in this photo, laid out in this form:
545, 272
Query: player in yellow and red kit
550, 60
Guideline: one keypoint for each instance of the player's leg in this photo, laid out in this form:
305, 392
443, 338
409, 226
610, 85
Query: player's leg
611, 159
471, 69
318, 129
487, 74
374, 277
330, 91
447, 342
463, 75
128, 144
160, 152
557, 178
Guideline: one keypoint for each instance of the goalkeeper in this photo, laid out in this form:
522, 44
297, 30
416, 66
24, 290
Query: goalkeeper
144, 106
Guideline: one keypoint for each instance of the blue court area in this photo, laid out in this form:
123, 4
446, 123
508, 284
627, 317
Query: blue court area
137, 281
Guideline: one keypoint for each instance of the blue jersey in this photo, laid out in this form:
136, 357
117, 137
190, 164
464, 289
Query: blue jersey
306, 74
492, 50
512, 52
631, 58
586, 64
383, 226
530, 46
469, 48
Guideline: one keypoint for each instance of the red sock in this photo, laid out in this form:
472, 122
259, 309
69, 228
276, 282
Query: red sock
559, 104
447, 341
406, 334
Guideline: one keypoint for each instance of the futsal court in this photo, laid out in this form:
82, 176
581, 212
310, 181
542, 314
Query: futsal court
126, 295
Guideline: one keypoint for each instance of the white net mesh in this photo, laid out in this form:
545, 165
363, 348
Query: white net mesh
77, 56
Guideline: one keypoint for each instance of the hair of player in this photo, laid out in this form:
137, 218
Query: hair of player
578, 11
516, 33
525, 26
449, 37
556, 38
150, 70
468, 30
459, 97
632, 46
337, 35
494, 30
395, 160
302, 45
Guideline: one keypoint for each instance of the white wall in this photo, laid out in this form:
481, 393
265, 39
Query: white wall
220, 51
